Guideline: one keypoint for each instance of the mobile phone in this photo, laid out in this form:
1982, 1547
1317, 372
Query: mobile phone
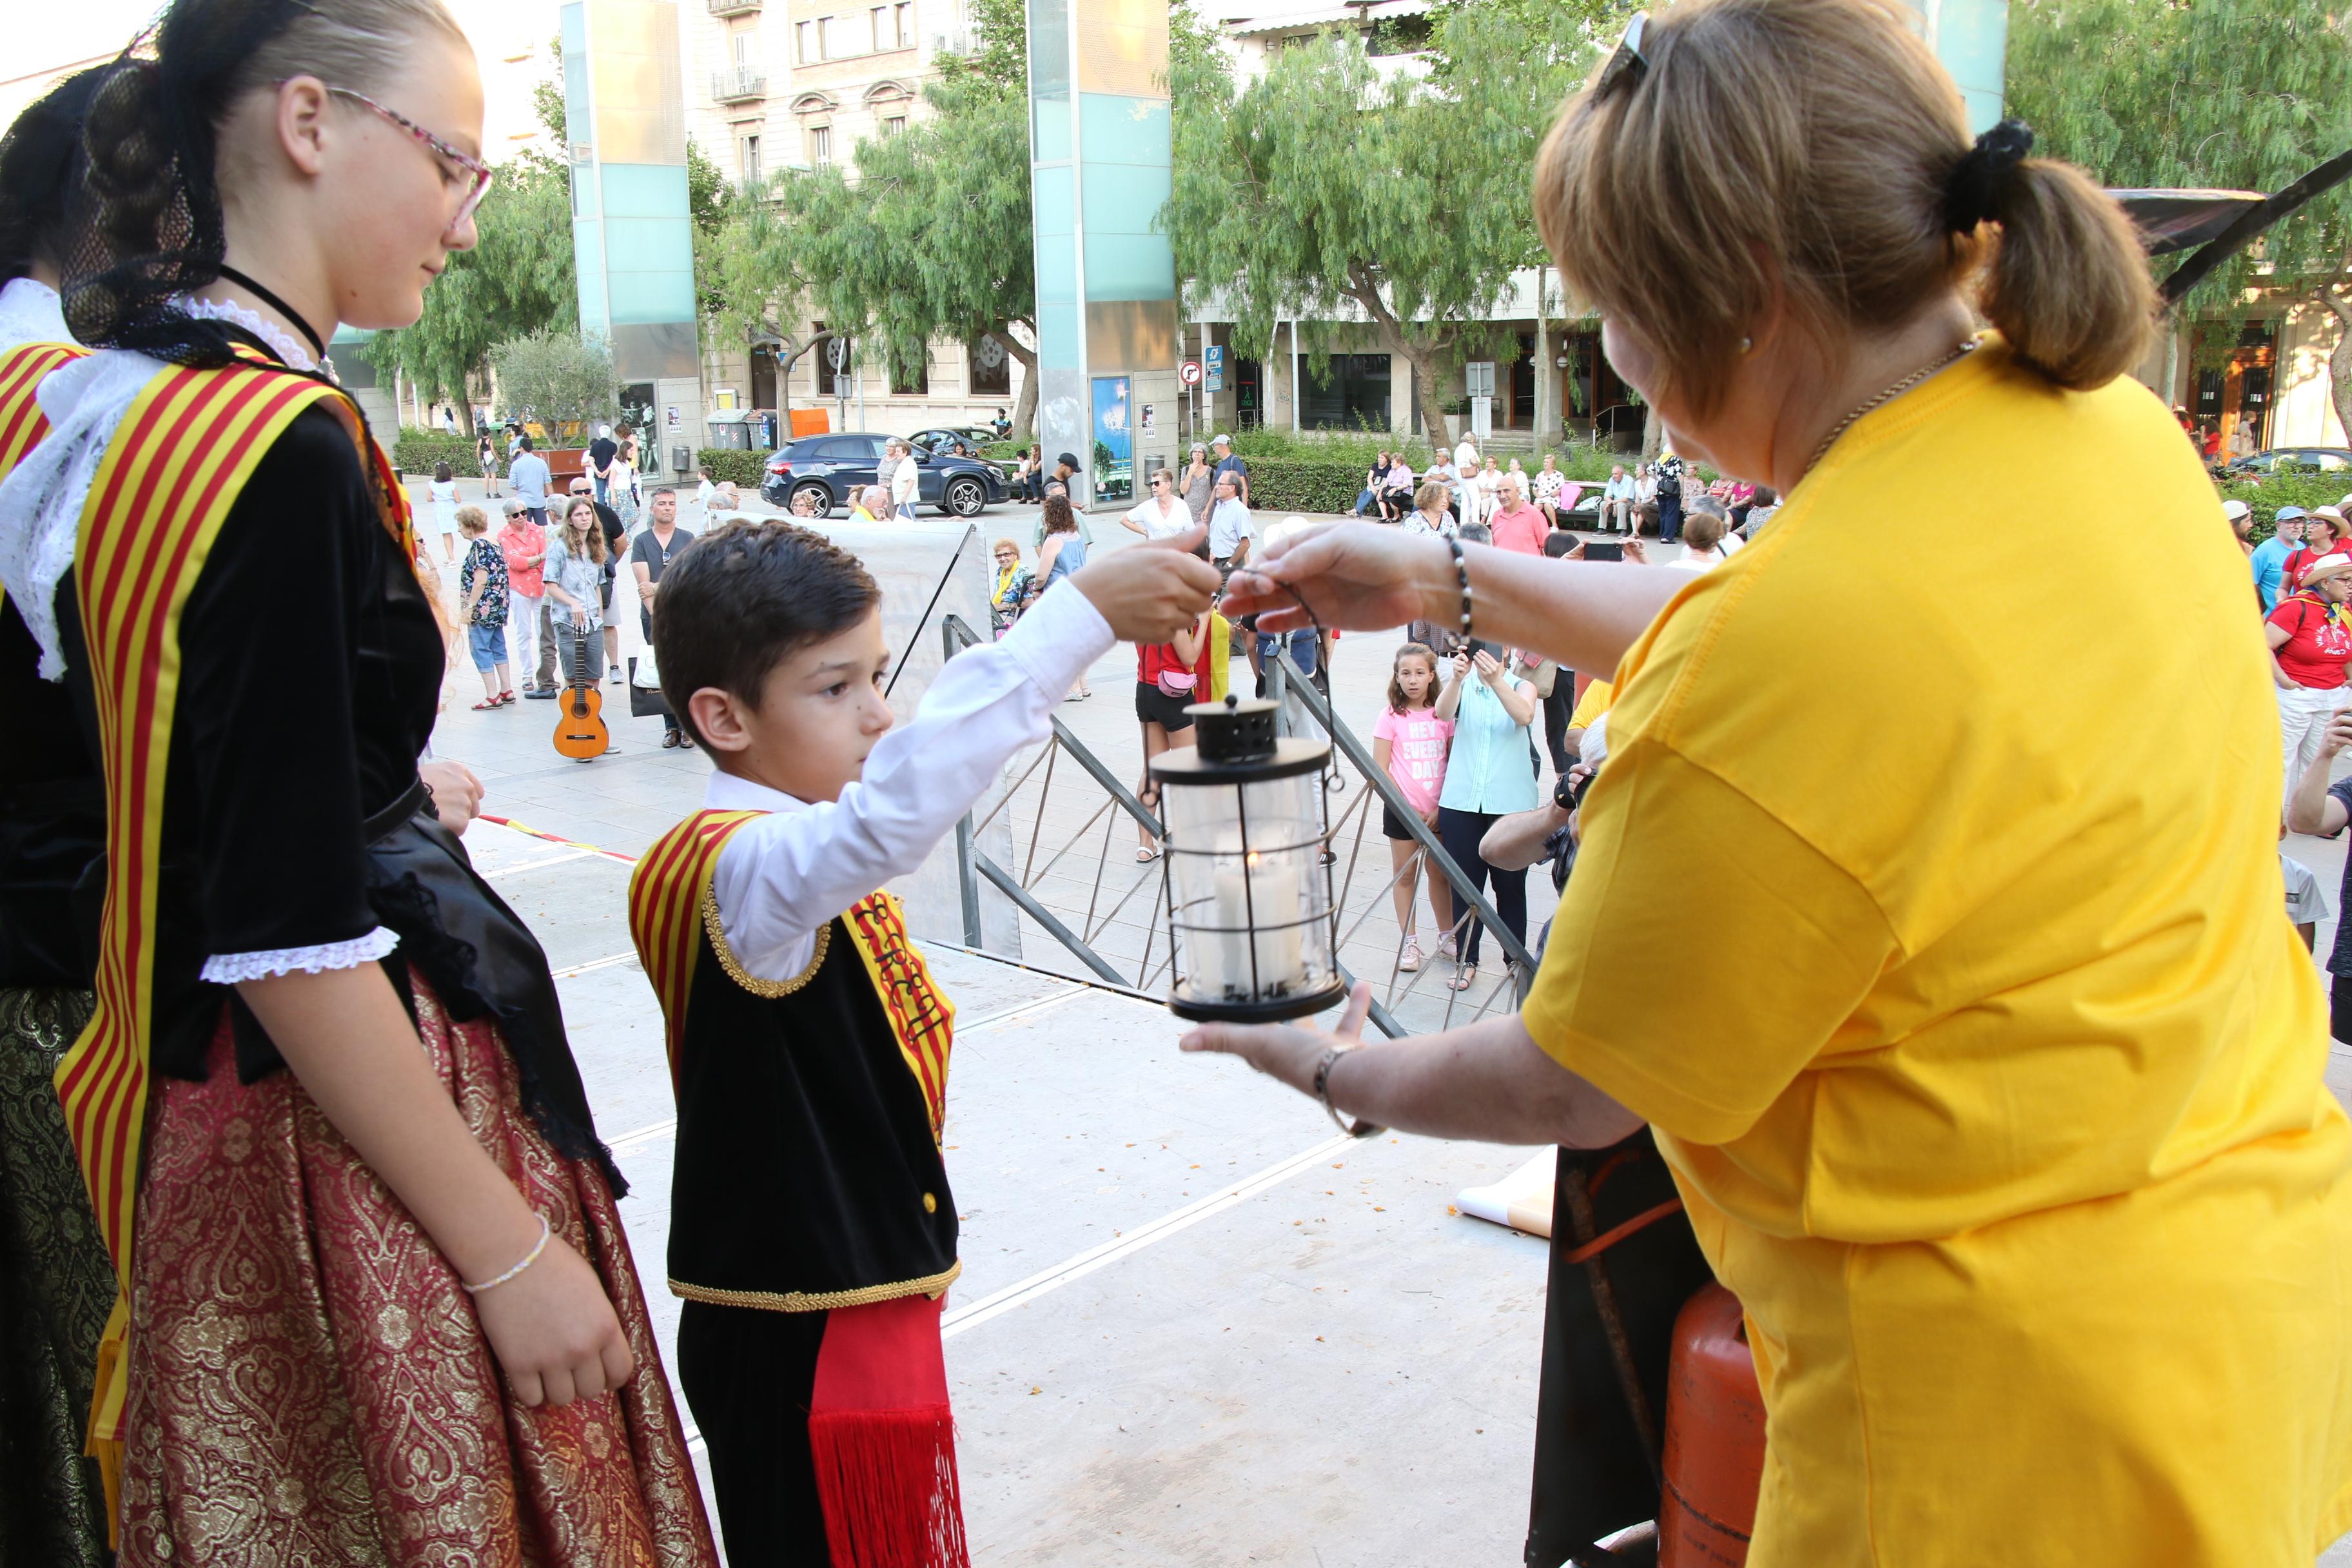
1604, 550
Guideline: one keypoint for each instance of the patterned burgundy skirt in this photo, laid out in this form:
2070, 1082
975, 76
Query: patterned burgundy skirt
308, 1381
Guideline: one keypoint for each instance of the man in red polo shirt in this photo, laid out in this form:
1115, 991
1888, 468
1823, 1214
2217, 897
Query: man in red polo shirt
1516, 525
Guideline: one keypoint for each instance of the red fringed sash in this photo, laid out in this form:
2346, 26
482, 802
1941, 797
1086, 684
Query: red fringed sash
883, 1439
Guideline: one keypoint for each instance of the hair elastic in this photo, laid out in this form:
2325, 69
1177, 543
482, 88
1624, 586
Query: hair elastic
1980, 182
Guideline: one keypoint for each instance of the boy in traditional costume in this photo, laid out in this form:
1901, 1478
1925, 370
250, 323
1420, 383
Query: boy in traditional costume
813, 1234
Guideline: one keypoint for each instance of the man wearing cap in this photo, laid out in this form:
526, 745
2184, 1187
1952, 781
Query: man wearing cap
1229, 464
2268, 559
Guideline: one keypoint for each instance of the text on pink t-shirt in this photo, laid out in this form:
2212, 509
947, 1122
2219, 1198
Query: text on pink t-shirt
1417, 746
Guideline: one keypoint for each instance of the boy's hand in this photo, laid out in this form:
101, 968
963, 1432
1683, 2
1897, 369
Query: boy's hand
1151, 591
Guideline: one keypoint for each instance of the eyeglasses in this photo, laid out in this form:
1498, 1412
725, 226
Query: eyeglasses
1628, 64
476, 171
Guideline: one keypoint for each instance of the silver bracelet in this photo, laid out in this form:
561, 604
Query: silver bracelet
545, 1230
1323, 1086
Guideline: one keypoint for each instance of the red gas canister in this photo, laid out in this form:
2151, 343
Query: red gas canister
1714, 1437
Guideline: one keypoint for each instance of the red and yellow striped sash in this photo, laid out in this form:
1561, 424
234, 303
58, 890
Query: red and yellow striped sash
22, 371
666, 911
921, 1014
183, 452
665, 898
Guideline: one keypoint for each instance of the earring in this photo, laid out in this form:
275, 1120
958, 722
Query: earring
1748, 346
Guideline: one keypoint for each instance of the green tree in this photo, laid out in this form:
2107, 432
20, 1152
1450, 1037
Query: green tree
930, 240
516, 280
564, 380
2229, 94
1323, 188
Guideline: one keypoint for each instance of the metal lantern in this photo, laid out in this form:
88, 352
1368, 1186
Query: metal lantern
1250, 910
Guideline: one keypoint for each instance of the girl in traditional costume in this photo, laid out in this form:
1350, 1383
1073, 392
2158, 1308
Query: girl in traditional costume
375, 1303
56, 1286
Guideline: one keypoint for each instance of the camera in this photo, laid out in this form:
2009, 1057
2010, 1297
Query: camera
1567, 791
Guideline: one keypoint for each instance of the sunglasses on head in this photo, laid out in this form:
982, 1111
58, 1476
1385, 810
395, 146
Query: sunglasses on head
1628, 64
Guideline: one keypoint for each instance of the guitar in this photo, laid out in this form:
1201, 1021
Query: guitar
579, 732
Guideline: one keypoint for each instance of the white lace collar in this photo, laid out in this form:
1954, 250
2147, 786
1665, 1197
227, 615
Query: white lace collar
31, 312
281, 343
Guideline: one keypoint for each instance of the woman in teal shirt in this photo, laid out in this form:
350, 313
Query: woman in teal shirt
1490, 772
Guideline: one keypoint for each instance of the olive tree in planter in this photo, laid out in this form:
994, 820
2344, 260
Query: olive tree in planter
562, 381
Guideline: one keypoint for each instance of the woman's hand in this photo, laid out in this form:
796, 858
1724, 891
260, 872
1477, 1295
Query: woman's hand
456, 792
1636, 551
1150, 592
1357, 576
1287, 1052
1461, 663
1489, 668
553, 1329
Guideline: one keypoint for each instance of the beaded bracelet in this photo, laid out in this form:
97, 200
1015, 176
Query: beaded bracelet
528, 1259
1462, 579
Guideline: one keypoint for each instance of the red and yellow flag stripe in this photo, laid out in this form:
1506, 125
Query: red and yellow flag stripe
180, 459
666, 911
665, 894
922, 1017
22, 371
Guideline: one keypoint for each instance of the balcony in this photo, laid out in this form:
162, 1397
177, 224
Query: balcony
733, 7
734, 86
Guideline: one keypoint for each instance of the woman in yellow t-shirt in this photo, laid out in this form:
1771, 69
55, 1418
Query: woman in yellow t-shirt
2000, 1106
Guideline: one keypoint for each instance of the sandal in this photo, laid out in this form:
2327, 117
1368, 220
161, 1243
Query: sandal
486, 703
1464, 976
506, 697
1411, 960
1144, 857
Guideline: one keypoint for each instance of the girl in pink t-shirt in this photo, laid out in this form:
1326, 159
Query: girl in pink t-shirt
1411, 743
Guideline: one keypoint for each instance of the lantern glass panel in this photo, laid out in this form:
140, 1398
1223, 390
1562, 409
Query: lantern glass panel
1251, 900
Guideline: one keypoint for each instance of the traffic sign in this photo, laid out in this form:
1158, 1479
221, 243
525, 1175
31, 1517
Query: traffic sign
1215, 354
1190, 373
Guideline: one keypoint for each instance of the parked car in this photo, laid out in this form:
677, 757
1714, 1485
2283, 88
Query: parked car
831, 466
2326, 459
973, 437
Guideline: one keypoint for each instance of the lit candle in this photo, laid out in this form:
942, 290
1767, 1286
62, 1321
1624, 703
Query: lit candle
1253, 894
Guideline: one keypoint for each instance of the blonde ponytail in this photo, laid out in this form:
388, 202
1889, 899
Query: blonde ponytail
2067, 283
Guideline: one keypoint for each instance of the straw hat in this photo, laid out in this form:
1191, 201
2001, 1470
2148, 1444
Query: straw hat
2326, 566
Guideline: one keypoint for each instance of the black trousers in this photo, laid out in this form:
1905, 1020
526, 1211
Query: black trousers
1557, 709
748, 1377
1460, 832
1669, 518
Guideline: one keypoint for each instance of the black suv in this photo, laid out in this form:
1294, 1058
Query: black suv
834, 467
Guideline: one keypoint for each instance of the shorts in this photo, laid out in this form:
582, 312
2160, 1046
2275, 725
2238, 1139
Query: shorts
489, 646
1393, 826
1153, 706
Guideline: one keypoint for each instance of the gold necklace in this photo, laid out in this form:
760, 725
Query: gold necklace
1889, 395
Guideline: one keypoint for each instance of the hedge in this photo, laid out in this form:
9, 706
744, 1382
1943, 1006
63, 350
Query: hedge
725, 465
1288, 484
2305, 487
416, 450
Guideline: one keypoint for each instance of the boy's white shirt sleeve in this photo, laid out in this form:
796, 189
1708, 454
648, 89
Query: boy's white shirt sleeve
781, 877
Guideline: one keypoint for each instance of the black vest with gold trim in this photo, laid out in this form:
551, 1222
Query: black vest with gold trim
808, 1172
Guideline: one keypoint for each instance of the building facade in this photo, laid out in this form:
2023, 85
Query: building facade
775, 84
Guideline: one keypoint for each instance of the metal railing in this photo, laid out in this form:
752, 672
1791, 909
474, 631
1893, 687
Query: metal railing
733, 7
1071, 885
744, 82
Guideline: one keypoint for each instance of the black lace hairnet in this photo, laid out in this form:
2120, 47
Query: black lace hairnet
40, 164
145, 227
